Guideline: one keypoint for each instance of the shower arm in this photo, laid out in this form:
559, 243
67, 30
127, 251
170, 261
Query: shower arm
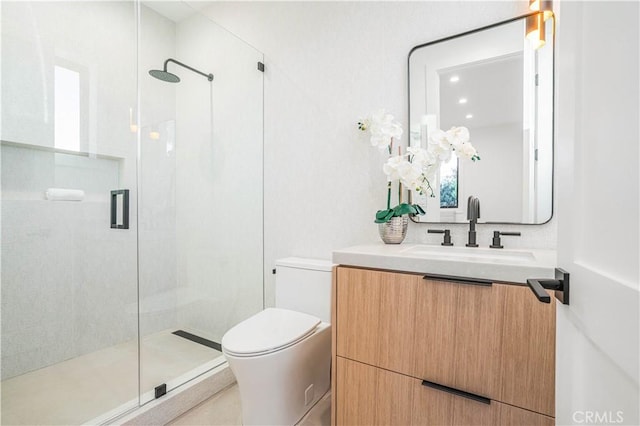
208, 76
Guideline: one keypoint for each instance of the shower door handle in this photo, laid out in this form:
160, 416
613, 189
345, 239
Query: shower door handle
120, 197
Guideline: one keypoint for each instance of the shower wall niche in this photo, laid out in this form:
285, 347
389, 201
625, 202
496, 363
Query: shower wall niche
95, 318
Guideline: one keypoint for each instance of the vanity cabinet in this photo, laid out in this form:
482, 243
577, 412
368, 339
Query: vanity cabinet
414, 350
456, 325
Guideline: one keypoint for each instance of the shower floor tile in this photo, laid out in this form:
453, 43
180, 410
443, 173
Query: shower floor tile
83, 388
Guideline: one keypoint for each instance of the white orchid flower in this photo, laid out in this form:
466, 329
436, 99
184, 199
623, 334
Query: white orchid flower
466, 150
392, 167
418, 167
421, 156
383, 129
411, 175
458, 136
439, 145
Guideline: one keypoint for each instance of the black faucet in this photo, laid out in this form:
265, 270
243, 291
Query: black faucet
473, 213
496, 238
447, 235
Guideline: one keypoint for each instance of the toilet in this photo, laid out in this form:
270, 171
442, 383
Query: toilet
281, 357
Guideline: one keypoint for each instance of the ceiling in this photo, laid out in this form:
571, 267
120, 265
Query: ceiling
175, 10
492, 89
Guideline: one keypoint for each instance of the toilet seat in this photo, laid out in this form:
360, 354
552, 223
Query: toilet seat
268, 331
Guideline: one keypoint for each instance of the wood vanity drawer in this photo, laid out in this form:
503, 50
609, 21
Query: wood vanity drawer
367, 395
458, 335
442, 331
528, 358
375, 317
371, 396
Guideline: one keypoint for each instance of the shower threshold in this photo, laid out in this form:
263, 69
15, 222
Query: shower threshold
104, 383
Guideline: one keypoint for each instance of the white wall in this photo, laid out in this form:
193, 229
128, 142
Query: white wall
328, 64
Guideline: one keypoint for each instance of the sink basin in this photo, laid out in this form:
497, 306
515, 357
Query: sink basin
470, 253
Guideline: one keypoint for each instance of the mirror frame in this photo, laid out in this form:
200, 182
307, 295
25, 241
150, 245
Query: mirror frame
553, 115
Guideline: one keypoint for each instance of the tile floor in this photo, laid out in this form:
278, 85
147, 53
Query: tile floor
224, 409
86, 387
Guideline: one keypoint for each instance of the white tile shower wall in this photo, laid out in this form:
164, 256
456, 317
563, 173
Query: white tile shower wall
219, 179
328, 64
68, 280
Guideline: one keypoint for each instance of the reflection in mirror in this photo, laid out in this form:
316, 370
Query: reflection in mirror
497, 84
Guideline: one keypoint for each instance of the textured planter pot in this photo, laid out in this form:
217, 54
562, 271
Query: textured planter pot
394, 231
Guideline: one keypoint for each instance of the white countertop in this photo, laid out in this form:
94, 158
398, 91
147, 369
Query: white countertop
504, 265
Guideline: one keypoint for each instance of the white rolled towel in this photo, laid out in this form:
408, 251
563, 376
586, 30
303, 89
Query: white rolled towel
61, 194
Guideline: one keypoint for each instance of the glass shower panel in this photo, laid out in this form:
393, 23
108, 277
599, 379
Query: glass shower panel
69, 309
201, 230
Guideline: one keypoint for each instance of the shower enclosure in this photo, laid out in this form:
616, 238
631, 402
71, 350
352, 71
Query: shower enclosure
132, 233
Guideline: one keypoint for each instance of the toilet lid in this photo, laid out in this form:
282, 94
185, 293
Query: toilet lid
268, 331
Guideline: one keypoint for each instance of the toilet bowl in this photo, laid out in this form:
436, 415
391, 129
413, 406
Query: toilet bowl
281, 357
281, 360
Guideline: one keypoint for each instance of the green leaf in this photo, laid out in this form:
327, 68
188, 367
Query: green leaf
403, 209
419, 209
383, 216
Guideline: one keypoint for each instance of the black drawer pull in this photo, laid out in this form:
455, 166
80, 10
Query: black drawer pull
461, 280
458, 392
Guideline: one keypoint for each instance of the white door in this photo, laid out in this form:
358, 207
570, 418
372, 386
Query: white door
597, 141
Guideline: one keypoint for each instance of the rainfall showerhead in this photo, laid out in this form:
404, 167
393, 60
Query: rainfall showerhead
164, 75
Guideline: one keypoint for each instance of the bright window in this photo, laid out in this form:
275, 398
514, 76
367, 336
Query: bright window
67, 109
449, 183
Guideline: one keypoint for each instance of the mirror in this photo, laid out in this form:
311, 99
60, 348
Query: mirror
494, 82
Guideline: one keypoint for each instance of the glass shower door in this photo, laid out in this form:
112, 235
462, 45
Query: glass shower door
69, 257
201, 229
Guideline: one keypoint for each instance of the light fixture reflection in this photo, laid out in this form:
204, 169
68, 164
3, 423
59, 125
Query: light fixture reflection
535, 30
454, 79
468, 116
545, 6
462, 101
132, 126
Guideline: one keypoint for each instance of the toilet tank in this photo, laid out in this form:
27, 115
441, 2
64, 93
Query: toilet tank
304, 285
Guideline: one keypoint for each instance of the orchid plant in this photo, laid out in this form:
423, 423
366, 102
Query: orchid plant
417, 168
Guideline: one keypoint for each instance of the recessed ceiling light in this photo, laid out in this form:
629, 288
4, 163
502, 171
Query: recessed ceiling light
454, 78
462, 101
468, 116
